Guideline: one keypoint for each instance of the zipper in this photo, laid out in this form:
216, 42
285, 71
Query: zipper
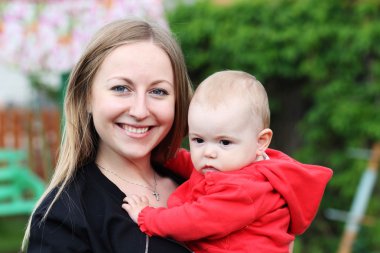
146, 243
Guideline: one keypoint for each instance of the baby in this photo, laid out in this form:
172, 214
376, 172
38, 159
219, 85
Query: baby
240, 195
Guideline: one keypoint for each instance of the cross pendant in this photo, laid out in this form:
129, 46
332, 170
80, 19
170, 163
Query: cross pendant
157, 195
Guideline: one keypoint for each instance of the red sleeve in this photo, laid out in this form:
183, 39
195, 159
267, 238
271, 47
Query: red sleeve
181, 164
224, 209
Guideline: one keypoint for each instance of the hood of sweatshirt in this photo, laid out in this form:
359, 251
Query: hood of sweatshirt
301, 185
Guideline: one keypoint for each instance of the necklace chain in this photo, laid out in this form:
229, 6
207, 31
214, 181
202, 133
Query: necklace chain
153, 190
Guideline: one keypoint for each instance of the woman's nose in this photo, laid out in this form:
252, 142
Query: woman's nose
139, 107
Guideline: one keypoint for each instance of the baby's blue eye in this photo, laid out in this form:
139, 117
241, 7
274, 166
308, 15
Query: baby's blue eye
225, 142
198, 140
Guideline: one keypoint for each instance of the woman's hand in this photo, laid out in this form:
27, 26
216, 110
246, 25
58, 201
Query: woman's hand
133, 204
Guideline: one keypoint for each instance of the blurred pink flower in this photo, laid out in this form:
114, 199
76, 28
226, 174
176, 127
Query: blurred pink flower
49, 36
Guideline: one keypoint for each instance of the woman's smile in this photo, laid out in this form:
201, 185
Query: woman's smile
135, 131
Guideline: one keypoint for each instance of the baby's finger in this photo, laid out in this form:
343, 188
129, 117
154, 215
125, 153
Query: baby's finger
126, 206
131, 199
144, 199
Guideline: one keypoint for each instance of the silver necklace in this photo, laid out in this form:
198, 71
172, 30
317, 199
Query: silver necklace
153, 190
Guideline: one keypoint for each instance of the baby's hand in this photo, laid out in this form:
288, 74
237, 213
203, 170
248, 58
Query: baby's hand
133, 204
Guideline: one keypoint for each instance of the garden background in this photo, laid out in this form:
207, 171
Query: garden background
320, 63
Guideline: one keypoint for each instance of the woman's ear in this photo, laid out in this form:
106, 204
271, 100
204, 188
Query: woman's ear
89, 103
263, 140
89, 109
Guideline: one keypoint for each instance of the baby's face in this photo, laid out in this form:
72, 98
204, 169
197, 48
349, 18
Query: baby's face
224, 138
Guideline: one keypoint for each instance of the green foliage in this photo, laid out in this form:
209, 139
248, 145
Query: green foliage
320, 63
47, 89
12, 230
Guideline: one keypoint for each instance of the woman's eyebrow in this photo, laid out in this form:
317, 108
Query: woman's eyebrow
120, 78
129, 81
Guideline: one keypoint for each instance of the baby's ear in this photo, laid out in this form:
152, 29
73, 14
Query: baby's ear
263, 140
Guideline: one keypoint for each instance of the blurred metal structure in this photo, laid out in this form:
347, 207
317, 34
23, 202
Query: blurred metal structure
20, 188
360, 202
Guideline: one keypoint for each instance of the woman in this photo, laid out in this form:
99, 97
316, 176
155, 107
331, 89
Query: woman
125, 114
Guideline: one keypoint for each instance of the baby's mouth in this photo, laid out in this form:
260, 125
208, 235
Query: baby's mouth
208, 169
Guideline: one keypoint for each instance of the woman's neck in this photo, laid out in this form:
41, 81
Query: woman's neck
138, 169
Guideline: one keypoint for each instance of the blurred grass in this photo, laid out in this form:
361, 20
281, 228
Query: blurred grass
11, 233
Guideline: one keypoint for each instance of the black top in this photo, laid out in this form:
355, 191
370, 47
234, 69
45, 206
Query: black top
87, 217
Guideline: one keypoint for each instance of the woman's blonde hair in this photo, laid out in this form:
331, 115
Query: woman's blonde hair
79, 139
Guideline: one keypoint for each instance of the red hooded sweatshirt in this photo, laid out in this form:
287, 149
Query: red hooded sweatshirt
258, 208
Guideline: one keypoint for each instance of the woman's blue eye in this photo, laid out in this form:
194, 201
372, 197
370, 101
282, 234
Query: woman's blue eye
225, 142
159, 92
120, 89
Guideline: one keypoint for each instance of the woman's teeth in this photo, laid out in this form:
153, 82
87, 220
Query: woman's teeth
136, 130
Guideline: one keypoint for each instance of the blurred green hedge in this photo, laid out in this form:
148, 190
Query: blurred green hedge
320, 63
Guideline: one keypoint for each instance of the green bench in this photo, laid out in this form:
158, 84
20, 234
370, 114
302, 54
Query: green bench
20, 188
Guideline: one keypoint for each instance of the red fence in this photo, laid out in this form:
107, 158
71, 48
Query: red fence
37, 131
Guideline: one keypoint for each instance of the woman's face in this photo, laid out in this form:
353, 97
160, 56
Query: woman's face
132, 100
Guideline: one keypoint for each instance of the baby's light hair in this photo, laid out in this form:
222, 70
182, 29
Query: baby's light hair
225, 85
